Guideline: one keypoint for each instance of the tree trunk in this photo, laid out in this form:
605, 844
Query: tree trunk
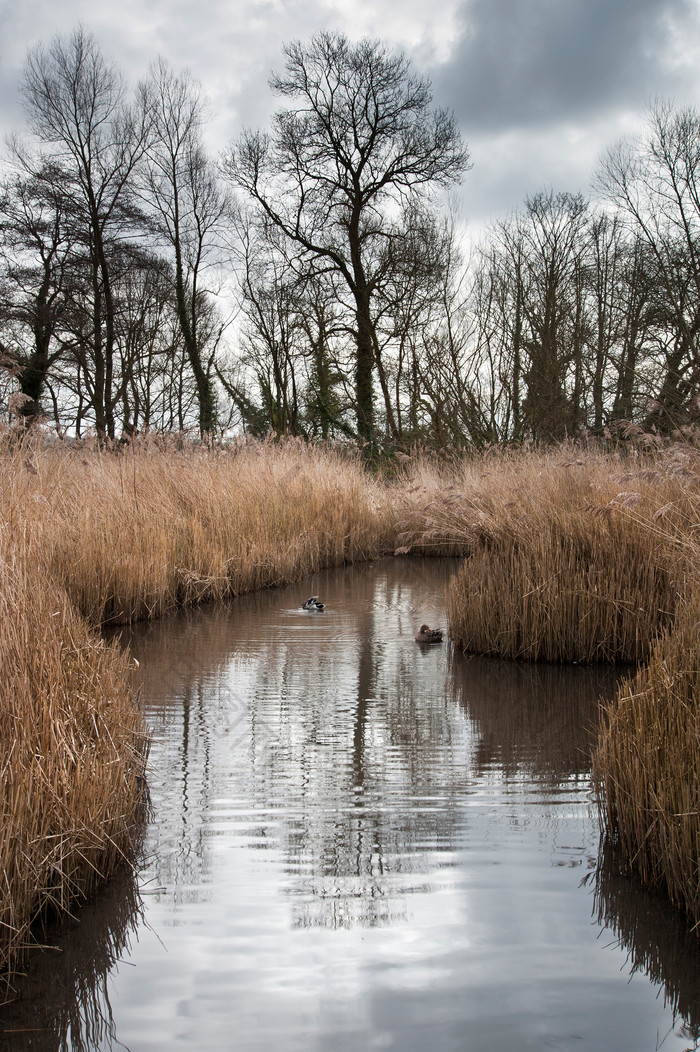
205, 391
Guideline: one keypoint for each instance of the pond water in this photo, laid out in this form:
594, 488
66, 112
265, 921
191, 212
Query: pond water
361, 843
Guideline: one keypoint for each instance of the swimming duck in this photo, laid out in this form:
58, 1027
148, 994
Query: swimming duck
312, 603
426, 634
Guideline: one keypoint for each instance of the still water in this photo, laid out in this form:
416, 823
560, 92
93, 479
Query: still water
360, 843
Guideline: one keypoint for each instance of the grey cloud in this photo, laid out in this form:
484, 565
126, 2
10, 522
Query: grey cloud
539, 86
533, 62
232, 51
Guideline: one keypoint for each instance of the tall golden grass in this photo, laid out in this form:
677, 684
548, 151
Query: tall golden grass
72, 751
89, 537
647, 762
585, 556
133, 535
569, 555
647, 765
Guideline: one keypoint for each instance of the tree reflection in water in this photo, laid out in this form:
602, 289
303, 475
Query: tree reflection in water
360, 770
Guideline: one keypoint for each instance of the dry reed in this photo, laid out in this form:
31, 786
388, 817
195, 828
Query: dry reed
591, 557
136, 534
569, 556
89, 537
647, 765
566, 560
72, 752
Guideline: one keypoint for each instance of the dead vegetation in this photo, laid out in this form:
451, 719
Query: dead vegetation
132, 535
569, 555
585, 556
647, 764
72, 752
89, 537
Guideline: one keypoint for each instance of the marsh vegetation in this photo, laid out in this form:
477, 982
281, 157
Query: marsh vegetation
362, 334
568, 555
583, 556
90, 538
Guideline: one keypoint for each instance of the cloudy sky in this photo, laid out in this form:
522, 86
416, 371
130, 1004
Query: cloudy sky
539, 87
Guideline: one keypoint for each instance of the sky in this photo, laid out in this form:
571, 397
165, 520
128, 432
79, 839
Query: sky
539, 87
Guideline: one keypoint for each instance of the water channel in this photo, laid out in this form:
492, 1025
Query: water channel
361, 843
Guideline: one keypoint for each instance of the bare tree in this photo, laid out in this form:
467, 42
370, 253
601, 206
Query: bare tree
497, 303
421, 329
552, 232
286, 378
654, 180
76, 105
36, 243
182, 189
271, 338
623, 320
359, 140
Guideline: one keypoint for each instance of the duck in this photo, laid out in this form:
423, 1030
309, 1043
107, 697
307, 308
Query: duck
312, 603
426, 634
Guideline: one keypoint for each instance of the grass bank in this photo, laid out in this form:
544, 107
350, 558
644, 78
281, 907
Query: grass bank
133, 535
584, 556
647, 765
88, 538
72, 751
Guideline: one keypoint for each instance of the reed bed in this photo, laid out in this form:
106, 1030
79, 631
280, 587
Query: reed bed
72, 753
569, 557
131, 536
591, 557
89, 537
647, 765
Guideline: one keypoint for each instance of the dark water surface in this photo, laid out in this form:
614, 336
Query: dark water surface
359, 843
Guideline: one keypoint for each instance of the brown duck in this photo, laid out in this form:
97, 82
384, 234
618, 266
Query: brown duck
426, 634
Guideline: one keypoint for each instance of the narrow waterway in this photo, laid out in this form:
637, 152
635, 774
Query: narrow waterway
361, 843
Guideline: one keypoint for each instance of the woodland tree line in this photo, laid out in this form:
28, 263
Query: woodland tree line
311, 280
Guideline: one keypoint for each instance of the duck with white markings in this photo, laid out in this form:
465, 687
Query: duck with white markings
312, 603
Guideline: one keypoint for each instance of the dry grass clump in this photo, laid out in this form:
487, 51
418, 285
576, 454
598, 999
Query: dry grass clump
570, 557
559, 595
647, 765
592, 557
136, 534
72, 752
